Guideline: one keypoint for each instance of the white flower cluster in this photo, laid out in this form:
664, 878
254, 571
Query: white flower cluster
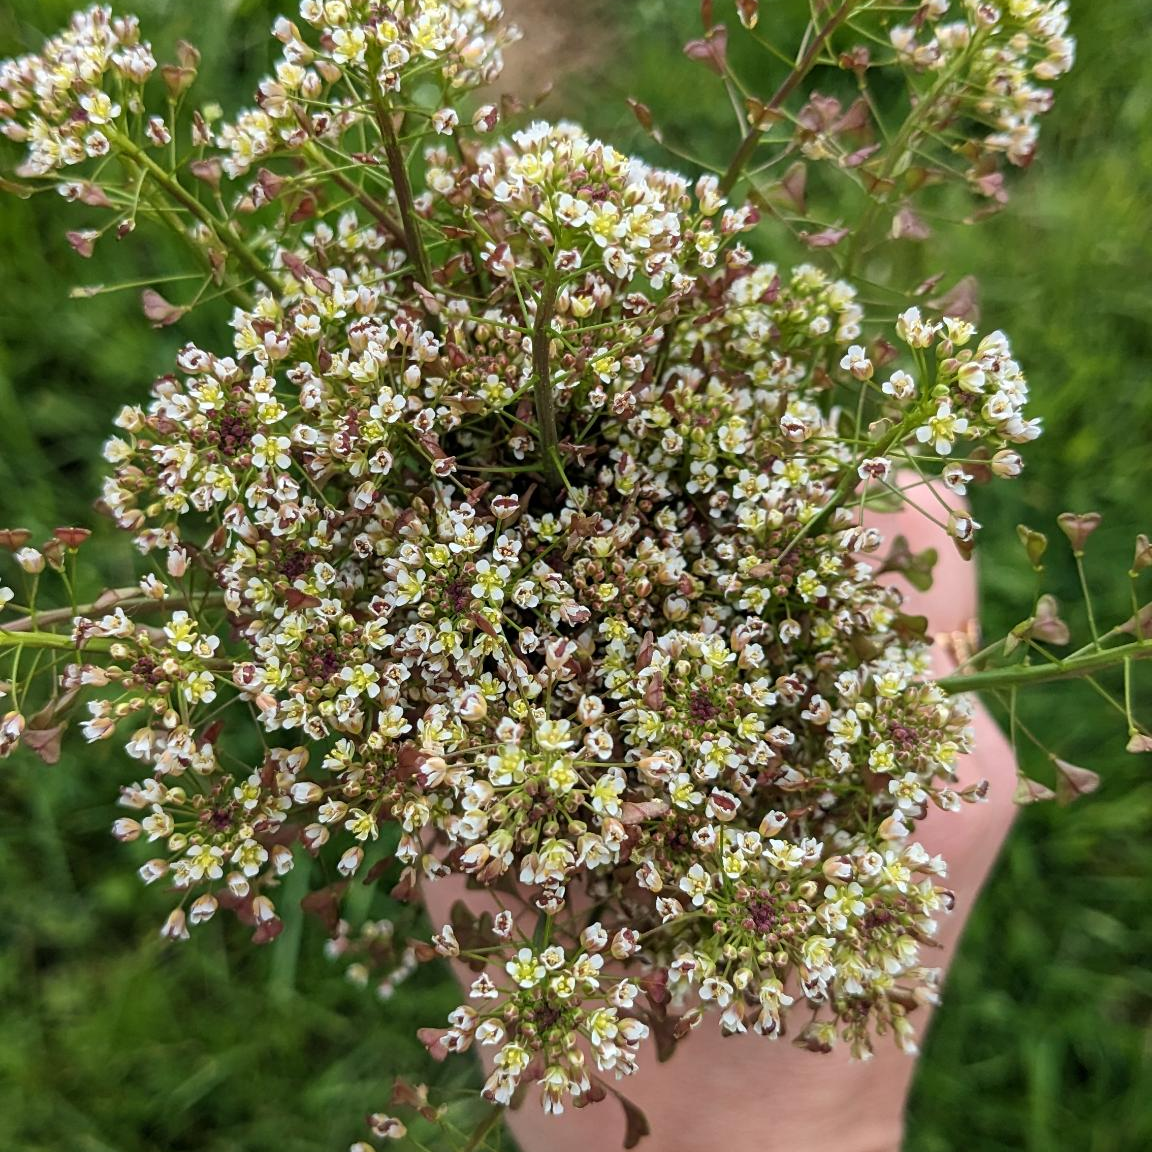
1002, 54
558, 182
547, 556
453, 44
458, 42
546, 991
660, 677
64, 101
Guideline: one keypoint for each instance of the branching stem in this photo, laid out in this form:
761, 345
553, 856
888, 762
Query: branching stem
398, 170
803, 66
543, 395
370, 204
56, 641
136, 601
244, 255
1068, 669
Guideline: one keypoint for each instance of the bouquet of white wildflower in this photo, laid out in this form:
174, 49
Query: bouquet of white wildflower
521, 511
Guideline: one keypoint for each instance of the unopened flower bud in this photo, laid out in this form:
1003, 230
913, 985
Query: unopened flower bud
472, 705
203, 909
306, 792
837, 869
175, 927
1007, 464
485, 117
386, 1127
176, 562
11, 729
54, 554
772, 823
445, 120
445, 941
315, 836
350, 862
263, 910
625, 943
1142, 558
30, 560
893, 827
152, 870
126, 830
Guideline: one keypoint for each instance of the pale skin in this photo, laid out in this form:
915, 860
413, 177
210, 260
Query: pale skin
748, 1094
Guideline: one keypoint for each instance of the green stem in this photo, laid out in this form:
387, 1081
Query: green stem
369, 203
483, 1128
851, 479
1111, 634
244, 255
53, 640
1067, 669
1132, 726
1087, 599
398, 170
542, 372
902, 146
167, 219
802, 68
542, 937
136, 601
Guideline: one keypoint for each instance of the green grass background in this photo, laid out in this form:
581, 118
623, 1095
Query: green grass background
111, 1042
